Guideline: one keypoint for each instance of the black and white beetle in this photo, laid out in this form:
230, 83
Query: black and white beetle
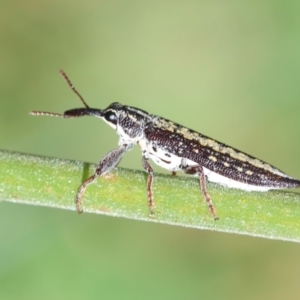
174, 147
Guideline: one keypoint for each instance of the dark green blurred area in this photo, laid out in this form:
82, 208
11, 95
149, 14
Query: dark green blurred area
227, 69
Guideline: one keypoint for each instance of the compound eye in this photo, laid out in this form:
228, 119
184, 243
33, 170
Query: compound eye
111, 117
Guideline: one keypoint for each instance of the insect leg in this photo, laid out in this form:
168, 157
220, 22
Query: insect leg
109, 161
149, 170
198, 170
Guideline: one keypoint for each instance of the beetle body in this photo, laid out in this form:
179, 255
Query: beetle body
177, 148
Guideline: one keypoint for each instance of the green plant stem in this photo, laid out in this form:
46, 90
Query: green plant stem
54, 182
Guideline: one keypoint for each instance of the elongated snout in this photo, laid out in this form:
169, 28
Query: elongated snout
80, 112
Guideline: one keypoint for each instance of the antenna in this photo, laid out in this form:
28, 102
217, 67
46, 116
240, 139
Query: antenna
45, 113
64, 75
64, 115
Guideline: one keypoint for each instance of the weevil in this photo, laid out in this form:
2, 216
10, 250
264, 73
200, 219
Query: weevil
175, 148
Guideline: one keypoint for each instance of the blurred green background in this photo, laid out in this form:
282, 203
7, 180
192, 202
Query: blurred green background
229, 69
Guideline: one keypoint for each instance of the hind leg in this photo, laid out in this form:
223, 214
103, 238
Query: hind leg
198, 170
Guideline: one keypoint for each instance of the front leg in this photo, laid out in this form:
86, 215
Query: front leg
149, 170
198, 170
109, 161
